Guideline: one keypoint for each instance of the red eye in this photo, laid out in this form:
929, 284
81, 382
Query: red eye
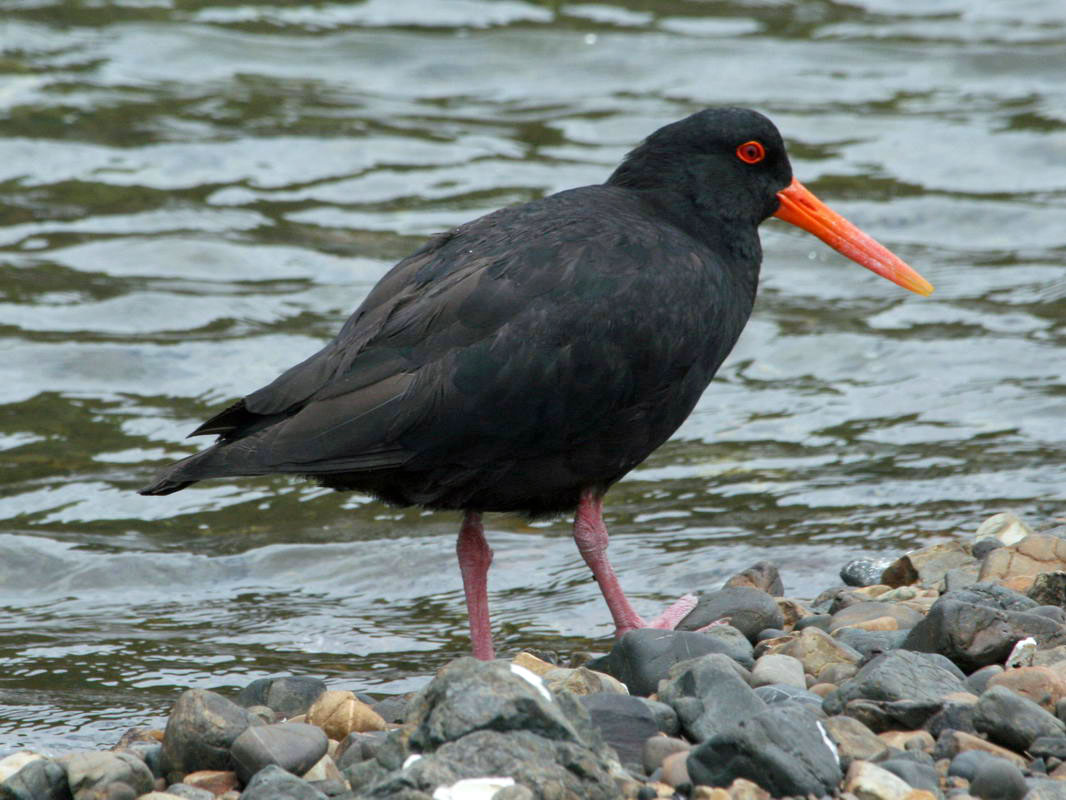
751, 152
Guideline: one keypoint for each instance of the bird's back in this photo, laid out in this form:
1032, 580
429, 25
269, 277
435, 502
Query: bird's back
506, 365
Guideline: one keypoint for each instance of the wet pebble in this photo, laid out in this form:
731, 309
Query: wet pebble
288, 695
747, 609
293, 746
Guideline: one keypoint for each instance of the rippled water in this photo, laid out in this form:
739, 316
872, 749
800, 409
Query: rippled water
195, 193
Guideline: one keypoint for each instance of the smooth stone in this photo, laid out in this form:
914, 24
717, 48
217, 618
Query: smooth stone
641, 658
189, 792
274, 783
862, 572
1005, 527
746, 609
774, 668
391, 709
1043, 685
40, 779
288, 695
872, 782
977, 682
1049, 747
200, 729
859, 613
996, 779
1012, 720
339, 712
358, 747
708, 694
783, 748
783, 693
293, 746
657, 748
870, 643
1030, 556
928, 565
815, 649
675, 770
903, 675
764, 576
737, 645
582, 681
665, 716
955, 714
918, 775
625, 723
951, 744
216, 781
815, 621
13, 763
1045, 789
855, 741
90, 773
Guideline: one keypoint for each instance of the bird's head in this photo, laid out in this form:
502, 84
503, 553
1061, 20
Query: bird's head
731, 164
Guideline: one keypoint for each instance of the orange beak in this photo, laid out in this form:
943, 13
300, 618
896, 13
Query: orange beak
800, 207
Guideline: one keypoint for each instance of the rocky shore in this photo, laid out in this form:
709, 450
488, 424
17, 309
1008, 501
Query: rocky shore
941, 674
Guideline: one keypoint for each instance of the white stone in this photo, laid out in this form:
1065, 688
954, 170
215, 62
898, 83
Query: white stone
532, 678
1006, 527
778, 668
870, 782
16, 761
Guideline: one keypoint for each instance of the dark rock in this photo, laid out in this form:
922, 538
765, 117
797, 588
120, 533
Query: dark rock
977, 682
747, 609
783, 749
1049, 588
657, 748
862, 572
708, 694
41, 779
625, 722
1049, 747
549, 768
973, 635
736, 644
763, 576
293, 746
330, 787
964, 765
996, 779
870, 643
89, 773
1053, 613
364, 774
274, 783
886, 715
391, 709
201, 727
995, 595
959, 578
815, 621
783, 693
289, 695
1012, 720
151, 753
664, 715
983, 547
641, 658
956, 716
189, 792
917, 774
358, 747
265, 713
469, 695
902, 675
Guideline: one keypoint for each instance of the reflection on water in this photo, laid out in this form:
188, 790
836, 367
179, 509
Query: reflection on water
194, 195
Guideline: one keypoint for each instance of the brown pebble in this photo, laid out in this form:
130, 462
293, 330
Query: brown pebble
708, 793
215, 781
675, 769
743, 789
908, 740
657, 748
822, 689
535, 665
340, 712
1042, 685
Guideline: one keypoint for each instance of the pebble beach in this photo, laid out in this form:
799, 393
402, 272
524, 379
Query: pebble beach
939, 674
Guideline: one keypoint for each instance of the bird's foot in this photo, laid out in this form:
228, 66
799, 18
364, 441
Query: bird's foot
669, 619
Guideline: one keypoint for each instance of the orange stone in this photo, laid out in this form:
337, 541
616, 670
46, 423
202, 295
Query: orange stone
215, 781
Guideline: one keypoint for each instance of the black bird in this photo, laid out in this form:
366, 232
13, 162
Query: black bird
527, 360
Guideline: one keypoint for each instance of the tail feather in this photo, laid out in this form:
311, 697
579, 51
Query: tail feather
185, 473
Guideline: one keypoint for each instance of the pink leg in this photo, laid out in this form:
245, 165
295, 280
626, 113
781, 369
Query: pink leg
591, 536
475, 556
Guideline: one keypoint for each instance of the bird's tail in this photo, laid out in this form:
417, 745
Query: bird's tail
210, 463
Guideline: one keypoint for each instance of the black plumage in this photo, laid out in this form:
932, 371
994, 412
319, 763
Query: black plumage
533, 353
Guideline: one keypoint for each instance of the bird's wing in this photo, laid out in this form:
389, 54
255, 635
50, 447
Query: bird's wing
519, 330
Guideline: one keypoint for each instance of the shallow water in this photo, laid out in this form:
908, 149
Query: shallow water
195, 193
